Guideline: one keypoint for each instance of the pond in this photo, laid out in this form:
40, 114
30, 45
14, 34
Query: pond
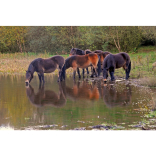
81, 105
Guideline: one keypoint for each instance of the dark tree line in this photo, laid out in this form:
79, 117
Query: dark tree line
60, 39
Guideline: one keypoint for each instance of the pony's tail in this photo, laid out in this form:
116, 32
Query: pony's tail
129, 67
99, 66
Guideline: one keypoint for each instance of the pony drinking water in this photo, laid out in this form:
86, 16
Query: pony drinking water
113, 61
42, 66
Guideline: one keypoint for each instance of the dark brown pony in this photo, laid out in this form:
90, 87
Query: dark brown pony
114, 61
46, 97
78, 61
42, 66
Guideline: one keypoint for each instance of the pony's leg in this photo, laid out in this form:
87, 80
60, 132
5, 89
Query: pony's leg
59, 76
112, 75
42, 76
93, 71
78, 71
128, 69
74, 73
83, 72
87, 70
127, 74
39, 76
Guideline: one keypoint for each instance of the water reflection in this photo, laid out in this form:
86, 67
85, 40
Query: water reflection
46, 97
116, 96
83, 104
82, 91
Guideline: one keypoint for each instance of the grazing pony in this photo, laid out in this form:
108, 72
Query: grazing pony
42, 66
113, 61
84, 61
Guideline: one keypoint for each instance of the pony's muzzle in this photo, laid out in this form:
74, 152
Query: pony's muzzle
26, 82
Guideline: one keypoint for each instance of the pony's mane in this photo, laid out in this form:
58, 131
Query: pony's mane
87, 50
30, 68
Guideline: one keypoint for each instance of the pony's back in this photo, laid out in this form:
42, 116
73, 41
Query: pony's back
59, 60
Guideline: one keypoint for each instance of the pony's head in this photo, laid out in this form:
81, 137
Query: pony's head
29, 77
76, 51
105, 74
73, 52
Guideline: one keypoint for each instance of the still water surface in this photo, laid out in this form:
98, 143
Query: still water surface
71, 105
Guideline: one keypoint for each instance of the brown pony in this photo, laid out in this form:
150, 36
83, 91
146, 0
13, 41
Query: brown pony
102, 56
84, 61
42, 66
100, 53
76, 51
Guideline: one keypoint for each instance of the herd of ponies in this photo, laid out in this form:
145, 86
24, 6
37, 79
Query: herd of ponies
98, 60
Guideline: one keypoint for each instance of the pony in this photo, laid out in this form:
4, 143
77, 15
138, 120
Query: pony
76, 51
46, 97
81, 61
101, 54
113, 61
42, 66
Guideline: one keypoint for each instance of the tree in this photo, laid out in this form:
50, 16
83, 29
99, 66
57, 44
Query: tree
13, 38
125, 38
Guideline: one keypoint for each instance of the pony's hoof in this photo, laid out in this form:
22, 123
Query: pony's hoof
91, 76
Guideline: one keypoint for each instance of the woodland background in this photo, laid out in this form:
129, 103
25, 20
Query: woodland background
60, 39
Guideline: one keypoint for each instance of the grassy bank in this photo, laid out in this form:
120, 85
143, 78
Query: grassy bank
142, 61
18, 63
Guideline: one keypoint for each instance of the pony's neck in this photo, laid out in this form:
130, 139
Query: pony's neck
31, 68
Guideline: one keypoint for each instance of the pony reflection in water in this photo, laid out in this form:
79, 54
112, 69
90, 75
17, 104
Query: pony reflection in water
82, 91
42, 66
83, 61
117, 96
46, 97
